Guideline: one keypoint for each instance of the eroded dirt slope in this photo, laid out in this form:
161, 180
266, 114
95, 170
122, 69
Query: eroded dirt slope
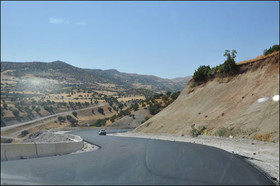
232, 102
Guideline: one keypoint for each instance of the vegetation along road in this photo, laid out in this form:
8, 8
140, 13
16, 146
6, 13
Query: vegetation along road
50, 116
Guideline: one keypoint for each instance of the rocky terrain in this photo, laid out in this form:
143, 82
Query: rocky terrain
49, 136
132, 121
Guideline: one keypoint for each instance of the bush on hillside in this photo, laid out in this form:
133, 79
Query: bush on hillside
73, 122
37, 109
124, 113
271, 49
15, 112
196, 132
101, 110
175, 95
112, 119
24, 133
49, 109
69, 117
99, 123
228, 65
75, 113
155, 108
135, 107
204, 72
201, 73
61, 118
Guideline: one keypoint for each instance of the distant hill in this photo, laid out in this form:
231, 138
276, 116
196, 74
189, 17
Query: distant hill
70, 76
182, 80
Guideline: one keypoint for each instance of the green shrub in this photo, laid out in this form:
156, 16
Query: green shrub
69, 117
112, 119
99, 123
201, 73
124, 113
37, 109
24, 133
15, 112
101, 110
61, 118
175, 95
135, 107
271, 49
154, 108
223, 132
73, 122
195, 132
229, 63
49, 109
157, 96
228, 66
75, 113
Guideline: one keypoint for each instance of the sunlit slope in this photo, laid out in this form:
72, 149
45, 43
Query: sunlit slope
224, 102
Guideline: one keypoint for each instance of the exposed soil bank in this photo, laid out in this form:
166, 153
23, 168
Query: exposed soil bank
243, 105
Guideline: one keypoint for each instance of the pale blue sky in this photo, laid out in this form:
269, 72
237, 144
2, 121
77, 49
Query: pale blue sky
166, 39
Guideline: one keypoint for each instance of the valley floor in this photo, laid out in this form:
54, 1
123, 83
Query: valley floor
262, 155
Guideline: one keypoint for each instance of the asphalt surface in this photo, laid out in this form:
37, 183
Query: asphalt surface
122, 160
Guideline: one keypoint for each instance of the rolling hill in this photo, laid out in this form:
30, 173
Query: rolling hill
59, 74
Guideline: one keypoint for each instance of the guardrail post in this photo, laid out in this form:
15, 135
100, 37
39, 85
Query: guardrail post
5, 152
36, 150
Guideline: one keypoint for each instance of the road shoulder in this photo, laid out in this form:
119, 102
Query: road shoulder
262, 155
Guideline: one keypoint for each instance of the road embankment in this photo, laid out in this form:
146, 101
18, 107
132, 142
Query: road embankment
41, 149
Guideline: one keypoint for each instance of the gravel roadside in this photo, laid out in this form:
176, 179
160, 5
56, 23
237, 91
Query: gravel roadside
262, 155
49, 136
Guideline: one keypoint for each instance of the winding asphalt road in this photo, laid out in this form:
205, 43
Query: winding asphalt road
122, 160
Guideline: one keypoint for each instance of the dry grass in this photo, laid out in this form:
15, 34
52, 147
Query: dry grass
263, 137
257, 58
108, 93
130, 98
106, 85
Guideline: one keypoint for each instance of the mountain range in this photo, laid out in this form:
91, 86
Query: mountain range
69, 75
